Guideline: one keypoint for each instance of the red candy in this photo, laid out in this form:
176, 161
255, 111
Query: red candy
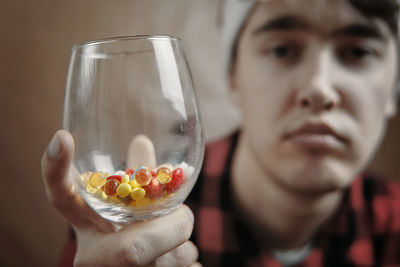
153, 184
110, 188
129, 171
177, 174
154, 189
115, 177
176, 181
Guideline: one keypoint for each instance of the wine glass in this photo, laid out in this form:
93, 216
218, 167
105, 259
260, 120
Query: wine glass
131, 109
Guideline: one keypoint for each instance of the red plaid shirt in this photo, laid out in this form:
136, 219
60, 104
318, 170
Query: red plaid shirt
365, 231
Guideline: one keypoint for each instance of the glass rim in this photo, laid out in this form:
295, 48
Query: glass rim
126, 38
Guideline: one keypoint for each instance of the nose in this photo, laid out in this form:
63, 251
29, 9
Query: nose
318, 92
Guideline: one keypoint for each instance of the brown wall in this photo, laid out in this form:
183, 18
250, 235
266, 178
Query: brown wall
35, 42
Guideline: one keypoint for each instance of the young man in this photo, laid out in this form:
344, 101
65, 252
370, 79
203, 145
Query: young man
315, 81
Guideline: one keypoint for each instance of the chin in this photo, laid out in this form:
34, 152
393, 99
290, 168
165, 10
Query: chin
320, 184
314, 176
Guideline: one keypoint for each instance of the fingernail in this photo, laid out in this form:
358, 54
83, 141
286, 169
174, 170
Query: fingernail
189, 212
54, 147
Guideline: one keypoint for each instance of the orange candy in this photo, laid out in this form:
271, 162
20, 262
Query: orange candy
110, 188
142, 176
136, 188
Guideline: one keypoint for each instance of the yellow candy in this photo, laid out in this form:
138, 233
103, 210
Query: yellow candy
90, 188
101, 194
125, 179
85, 177
138, 193
164, 175
97, 179
169, 166
123, 190
134, 184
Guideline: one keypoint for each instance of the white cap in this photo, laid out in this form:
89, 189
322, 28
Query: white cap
234, 14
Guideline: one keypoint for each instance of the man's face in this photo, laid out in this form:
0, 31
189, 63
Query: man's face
314, 80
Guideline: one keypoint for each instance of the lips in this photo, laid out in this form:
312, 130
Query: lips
316, 136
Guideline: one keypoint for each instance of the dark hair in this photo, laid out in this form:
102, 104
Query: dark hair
387, 10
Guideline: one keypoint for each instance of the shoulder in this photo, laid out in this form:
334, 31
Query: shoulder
369, 189
377, 200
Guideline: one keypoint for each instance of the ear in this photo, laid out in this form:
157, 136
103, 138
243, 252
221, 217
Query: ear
391, 105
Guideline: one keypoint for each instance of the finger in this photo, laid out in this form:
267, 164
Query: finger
184, 255
56, 163
143, 242
195, 264
58, 176
141, 152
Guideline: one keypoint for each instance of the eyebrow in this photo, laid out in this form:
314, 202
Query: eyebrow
290, 22
282, 23
360, 30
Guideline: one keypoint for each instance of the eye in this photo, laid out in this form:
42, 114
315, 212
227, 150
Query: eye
281, 51
284, 52
355, 55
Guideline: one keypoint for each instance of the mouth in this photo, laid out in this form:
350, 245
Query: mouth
316, 136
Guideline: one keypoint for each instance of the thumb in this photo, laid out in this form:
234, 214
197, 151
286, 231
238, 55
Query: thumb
56, 163
57, 174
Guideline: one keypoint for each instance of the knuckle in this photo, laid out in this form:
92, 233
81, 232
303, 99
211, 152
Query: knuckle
194, 249
184, 229
133, 253
182, 253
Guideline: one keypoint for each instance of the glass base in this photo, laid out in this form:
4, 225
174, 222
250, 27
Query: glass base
127, 218
122, 214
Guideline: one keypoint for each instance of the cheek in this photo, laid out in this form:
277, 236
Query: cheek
365, 102
261, 99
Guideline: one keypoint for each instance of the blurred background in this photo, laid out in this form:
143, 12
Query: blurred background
35, 44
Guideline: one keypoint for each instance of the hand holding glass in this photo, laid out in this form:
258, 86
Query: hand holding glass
132, 111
